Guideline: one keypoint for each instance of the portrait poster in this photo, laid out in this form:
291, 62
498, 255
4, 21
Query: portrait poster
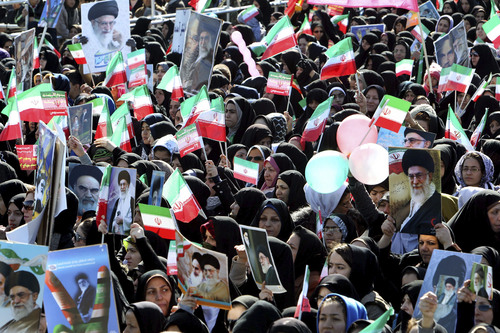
415, 187
156, 188
80, 122
387, 138
452, 47
361, 30
481, 280
23, 263
260, 259
180, 25
23, 46
200, 45
428, 10
121, 200
445, 274
202, 273
44, 170
50, 14
27, 156
106, 25
85, 181
79, 292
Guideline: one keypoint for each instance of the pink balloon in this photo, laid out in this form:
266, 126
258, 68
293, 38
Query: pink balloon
352, 130
237, 38
369, 163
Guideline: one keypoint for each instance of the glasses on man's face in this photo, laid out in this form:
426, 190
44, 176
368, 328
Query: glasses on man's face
103, 24
21, 295
484, 307
412, 140
417, 176
471, 169
255, 158
29, 204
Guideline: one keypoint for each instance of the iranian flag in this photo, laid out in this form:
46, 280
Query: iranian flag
104, 127
494, 8
342, 21
278, 84
12, 129
158, 220
317, 122
417, 32
122, 112
454, 130
199, 5
36, 54
280, 38
443, 79
341, 60
305, 28
497, 91
480, 90
178, 194
31, 106
2, 94
246, 170
479, 130
188, 139
77, 53
290, 8
459, 78
404, 67
303, 303
249, 13
379, 323
102, 203
136, 62
142, 102
121, 137
258, 48
11, 87
171, 82
212, 123
406, 4
391, 113
492, 30
115, 71
51, 47
193, 106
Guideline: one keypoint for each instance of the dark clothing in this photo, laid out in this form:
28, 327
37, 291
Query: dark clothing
423, 221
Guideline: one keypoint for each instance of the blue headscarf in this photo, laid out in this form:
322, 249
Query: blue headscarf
354, 310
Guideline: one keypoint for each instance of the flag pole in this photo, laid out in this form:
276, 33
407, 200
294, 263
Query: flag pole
320, 139
91, 76
425, 53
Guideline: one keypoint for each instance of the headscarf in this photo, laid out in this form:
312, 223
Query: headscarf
327, 202
298, 157
149, 316
232, 150
258, 318
289, 325
140, 294
354, 310
346, 226
487, 177
295, 182
282, 210
310, 252
280, 163
337, 283
17, 200
449, 158
245, 118
249, 199
227, 234
450, 20
364, 269
487, 63
476, 209
187, 322
492, 116
255, 133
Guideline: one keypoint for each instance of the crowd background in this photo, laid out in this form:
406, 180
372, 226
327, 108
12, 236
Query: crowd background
364, 276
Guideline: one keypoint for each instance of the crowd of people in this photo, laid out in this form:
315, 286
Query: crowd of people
371, 266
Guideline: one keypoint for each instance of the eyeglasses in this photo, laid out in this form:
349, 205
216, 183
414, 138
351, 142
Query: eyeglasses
83, 188
474, 54
78, 237
471, 169
21, 295
418, 176
255, 158
28, 205
483, 307
331, 229
412, 140
103, 23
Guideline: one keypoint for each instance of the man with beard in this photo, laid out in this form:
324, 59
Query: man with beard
425, 204
203, 64
22, 288
103, 16
84, 181
447, 299
271, 278
212, 287
196, 276
85, 297
5, 271
418, 139
121, 217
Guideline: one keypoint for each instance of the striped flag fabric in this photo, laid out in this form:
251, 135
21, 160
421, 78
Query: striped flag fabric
280, 38
246, 170
171, 82
454, 130
102, 203
480, 90
212, 123
494, 8
341, 60
479, 130
2, 94
303, 304
142, 102
180, 197
11, 87
404, 67
290, 8
392, 113
12, 129
497, 91
443, 79
104, 127
342, 21
136, 62
193, 106
31, 106
305, 28
249, 13
36, 54
200, 5
115, 71
121, 137
122, 112
459, 78
406, 4
77, 53
278, 83
317, 122
188, 139
492, 30
52, 48
158, 220
378, 325
417, 32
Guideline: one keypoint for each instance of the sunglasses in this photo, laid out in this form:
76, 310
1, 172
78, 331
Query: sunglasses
255, 158
79, 237
28, 205
484, 307
474, 54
